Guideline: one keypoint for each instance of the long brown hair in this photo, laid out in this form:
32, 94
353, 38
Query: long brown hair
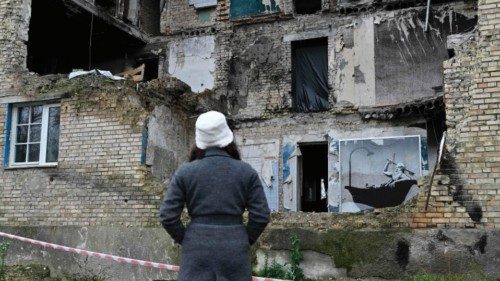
231, 149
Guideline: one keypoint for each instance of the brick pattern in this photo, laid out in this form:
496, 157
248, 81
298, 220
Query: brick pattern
179, 16
99, 179
466, 192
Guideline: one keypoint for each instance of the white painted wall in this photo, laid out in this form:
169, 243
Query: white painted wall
192, 61
361, 56
263, 156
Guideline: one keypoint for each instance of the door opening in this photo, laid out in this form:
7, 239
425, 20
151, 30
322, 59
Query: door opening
314, 177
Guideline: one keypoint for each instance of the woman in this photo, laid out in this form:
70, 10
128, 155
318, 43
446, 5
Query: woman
216, 186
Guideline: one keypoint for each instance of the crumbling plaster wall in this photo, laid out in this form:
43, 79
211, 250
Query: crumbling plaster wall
293, 130
254, 75
170, 137
192, 60
14, 24
403, 50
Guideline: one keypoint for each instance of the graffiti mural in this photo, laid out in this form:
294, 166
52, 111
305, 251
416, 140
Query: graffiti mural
247, 8
378, 172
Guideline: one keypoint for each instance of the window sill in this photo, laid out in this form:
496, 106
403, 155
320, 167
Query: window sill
30, 166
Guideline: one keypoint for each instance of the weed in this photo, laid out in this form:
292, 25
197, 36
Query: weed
275, 270
290, 270
295, 259
4, 246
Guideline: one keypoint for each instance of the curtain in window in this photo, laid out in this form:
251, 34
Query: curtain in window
310, 67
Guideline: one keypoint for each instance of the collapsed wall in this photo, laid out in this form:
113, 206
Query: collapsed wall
469, 177
380, 84
110, 174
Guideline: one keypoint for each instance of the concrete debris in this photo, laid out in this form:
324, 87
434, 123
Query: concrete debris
103, 73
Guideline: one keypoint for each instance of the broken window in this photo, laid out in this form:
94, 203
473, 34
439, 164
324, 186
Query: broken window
307, 6
34, 136
314, 177
63, 37
310, 75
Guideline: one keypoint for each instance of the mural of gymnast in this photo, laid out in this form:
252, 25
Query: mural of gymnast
389, 194
399, 173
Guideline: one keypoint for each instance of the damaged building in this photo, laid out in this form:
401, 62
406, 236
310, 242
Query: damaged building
372, 123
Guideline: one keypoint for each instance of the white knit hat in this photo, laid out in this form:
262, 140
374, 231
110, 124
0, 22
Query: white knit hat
212, 130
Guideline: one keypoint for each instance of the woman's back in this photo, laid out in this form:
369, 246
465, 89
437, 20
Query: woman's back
216, 184
216, 189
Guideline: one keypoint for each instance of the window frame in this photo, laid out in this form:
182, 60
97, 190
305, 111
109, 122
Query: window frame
43, 135
308, 42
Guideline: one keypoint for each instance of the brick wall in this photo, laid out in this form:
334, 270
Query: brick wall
179, 16
466, 191
99, 179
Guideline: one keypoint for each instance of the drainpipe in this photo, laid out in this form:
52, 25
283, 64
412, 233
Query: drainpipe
427, 16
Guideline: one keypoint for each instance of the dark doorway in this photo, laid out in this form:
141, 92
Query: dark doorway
151, 68
310, 75
307, 6
314, 172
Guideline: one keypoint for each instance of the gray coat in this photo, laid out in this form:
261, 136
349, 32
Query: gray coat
216, 191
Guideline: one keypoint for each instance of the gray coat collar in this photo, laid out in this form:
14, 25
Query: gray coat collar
215, 151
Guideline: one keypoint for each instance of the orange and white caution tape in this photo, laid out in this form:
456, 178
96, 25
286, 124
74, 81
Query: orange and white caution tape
117, 259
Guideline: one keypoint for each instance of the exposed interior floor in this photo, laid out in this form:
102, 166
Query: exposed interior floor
63, 38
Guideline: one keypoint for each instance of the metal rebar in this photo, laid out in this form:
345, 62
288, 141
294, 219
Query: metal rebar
427, 15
